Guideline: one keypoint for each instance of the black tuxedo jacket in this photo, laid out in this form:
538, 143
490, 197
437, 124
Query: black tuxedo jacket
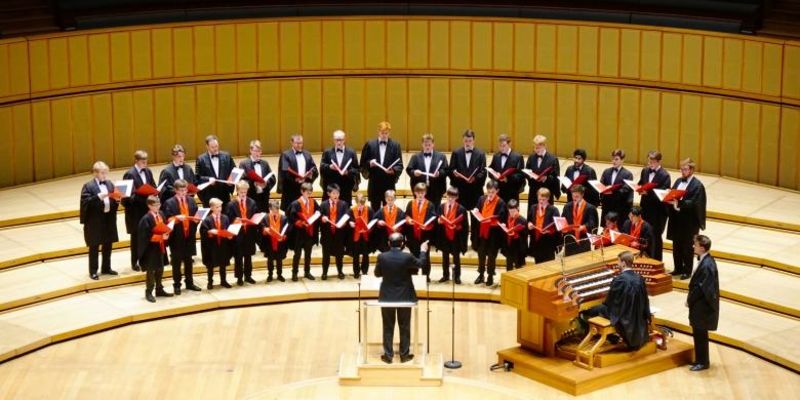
136, 205
180, 245
348, 183
205, 171
589, 194
653, 210
396, 267
379, 181
691, 216
170, 175
515, 183
621, 200
262, 199
468, 193
551, 182
436, 186
703, 298
287, 185
98, 227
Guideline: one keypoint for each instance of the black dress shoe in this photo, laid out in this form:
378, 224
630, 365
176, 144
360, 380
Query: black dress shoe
281, 278
340, 276
444, 279
479, 279
94, 276
193, 287
110, 272
250, 280
269, 278
684, 277
136, 268
294, 278
309, 276
163, 293
675, 273
210, 286
698, 367
406, 358
324, 277
150, 298
386, 359
226, 285
177, 291
240, 282
490, 280
458, 281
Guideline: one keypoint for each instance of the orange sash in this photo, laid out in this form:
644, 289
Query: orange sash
577, 217
185, 212
390, 217
450, 214
218, 226
275, 225
487, 211
540, 212
243, 212
361, 222
636, 230
307, 211
418, 215
332, 215
157, 218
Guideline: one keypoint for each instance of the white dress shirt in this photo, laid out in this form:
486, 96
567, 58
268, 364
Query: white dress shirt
106, 200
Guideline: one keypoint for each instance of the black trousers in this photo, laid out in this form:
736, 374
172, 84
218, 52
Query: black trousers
326, 261
360, 258
682, 252
306, 248
178, 273
657, 249
272, 262
154, 275
700, 336
94, 252
514, 261
242, 265
456, 265
222, 274
134, 248
403, 316
376, 199
487, 259
599, 310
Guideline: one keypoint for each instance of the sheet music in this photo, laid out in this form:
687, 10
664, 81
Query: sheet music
372, 223
125, 187
313, 218
235, 228
661, 193
268, 177
202, 213
428, 222
202, 186
343, 220
598, 186
566, 182
161, 186
561, 223
285, 226
399, 224
257, 218
430, 175
631, 184
343, 170
236, 175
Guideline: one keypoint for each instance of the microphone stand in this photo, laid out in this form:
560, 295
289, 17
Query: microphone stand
453, 363
428, 315
358, 311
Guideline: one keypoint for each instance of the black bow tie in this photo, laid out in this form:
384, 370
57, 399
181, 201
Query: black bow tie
468, 151
427, 154
215, 156
504, 155
101, 182
339, 151
382, 143
297, 153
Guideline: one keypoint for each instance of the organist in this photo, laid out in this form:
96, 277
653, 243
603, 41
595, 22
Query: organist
626, 306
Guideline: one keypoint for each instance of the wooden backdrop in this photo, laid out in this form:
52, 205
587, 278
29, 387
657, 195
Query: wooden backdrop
731, 102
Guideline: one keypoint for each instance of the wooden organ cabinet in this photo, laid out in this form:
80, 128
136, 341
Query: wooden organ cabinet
549, 296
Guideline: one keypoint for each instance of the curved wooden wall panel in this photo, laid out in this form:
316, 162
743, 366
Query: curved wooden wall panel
729, 101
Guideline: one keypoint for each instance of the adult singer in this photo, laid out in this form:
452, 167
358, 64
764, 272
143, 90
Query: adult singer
295, 167
136, 204
212, 166
98, 215
396, 267
703, 301
382, 164
687, 217
468, 171
339, 165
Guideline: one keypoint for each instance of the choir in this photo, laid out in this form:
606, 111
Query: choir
238, 216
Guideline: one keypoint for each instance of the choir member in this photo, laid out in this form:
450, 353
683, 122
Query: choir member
275, 232
429, 167
136, 204
468, 171
420, 221
580, 168
295, 167
361, 244
653, 210
620, 199
182, 242
153, 236
452, 236
626, 306
255, 170
339, 165
98, 215
703, 301
544, 238
582, 219
304, 217
332, 237
175, 170
487, 236
547, 168
687, 217
242, 210
381, 164
610, 223
515, 243
507, 166
640, 231
390, 218
215, 246
213, 166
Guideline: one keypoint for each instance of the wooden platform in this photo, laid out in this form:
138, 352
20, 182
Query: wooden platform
566, 376
376, 373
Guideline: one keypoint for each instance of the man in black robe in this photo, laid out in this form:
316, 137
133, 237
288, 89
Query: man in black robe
703, 301
653, 210
507, 166
579, 169
429, 167
256, 171
468, 171
136, 204
98, 215
546, 166
627, 306
339, 166
620, 198
212, 166
152, 250
295, 167
687, 217
174, 171
381, 164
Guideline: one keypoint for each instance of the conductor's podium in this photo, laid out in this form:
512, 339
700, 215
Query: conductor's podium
548, 298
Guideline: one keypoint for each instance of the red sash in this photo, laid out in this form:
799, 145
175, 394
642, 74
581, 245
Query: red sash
418, 215
487, 211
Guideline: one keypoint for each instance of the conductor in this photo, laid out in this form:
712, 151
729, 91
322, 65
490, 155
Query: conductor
396, 268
